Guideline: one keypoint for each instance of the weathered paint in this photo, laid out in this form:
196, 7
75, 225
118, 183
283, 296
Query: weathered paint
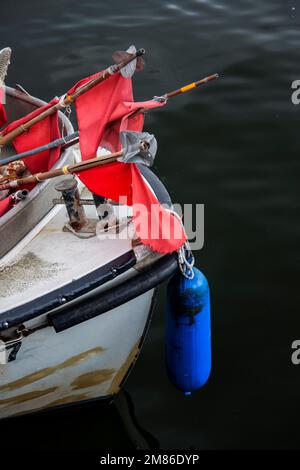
27, 396
62, 401
117, 380
109, 343
90, 379
68, 399
40, 374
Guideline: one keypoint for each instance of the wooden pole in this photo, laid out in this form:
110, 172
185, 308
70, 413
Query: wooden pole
104, 159
10, 136
189, 87
183, 89
66, 170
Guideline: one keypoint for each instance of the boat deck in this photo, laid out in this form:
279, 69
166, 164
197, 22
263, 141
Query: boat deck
49, 258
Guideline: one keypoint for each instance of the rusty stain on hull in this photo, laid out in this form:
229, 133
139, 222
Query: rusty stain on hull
27, 396
59, 401
86, 380
40, 374
68, 399
92, 378
115, 385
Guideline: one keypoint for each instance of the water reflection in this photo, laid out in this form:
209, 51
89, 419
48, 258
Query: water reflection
93, 426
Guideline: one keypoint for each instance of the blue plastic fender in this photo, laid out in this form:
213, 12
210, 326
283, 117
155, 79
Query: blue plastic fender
188, 333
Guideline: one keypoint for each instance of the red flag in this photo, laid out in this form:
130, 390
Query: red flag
156, 227
39, 134
94, 109
5, 205
102, 113
3, 117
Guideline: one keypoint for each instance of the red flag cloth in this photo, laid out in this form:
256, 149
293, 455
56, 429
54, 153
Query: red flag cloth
102, 113
5, 205
106, 110
39, 134
156, 226
3, 117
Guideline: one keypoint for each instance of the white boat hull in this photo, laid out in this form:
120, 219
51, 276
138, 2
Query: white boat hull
88, 361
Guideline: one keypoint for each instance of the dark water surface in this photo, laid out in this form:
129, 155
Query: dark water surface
233, 146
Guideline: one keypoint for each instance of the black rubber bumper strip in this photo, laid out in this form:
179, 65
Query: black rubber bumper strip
71, 291
103, 302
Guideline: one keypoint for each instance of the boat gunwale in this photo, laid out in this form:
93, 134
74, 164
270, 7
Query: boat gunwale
39, 188
69, 292
114, 297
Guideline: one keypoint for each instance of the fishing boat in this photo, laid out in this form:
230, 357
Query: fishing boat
74, 307
78, 275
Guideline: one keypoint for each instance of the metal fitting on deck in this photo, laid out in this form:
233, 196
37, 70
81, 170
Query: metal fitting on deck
71, 197
19, 195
